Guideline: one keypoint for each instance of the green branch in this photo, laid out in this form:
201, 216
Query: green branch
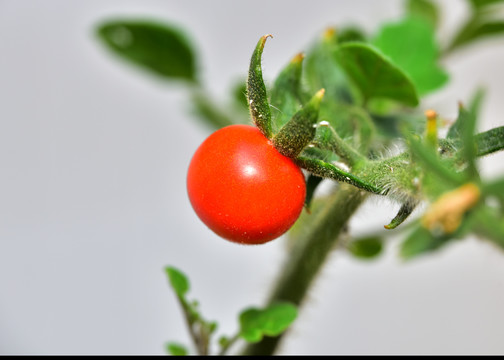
328, 170
309, 254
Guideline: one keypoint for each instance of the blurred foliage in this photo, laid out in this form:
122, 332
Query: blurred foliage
375, 75
366, 248
270, 321
483, 22
411, 45
159, 48
255, 323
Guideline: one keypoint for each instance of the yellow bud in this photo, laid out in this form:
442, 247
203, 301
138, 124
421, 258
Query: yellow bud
446, 213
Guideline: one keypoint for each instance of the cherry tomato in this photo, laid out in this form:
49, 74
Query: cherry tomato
242, 188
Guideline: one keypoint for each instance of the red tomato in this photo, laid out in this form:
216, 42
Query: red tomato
242, 188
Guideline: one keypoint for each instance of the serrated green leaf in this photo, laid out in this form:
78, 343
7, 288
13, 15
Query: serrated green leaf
176, 349
366, 248
423, 9
270, 321
412, 46
178, 281
162, 49
374, 74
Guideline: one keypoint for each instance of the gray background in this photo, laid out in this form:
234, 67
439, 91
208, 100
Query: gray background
93, 158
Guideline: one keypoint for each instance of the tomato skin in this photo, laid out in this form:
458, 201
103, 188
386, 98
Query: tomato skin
242, 188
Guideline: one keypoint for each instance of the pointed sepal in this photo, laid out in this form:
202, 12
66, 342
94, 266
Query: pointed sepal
256, 91
294, 136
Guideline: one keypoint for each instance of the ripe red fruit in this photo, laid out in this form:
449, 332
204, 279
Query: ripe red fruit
242, 188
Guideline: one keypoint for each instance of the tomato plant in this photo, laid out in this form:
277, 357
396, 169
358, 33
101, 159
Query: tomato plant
242, 188
245, 182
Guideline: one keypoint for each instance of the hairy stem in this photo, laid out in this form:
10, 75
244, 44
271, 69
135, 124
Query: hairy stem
309, 254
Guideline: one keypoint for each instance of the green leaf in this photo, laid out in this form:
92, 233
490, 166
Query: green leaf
366, 248
374, 74
462, 132
422, 241
495, 188
176, 349
322, 72
286, 97
455, 129
239, 92
476, 101
489, 141
311, 185
469, 146
411, 45
159, 48
223, 341
489, 223
419, 242
271, 321
178, 281
480, 4
423, 9
350, 34
256, 91
475, 29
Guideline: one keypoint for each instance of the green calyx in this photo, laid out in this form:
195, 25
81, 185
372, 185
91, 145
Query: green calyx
294, 136
256, 91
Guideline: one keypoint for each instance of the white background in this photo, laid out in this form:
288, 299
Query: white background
93, 205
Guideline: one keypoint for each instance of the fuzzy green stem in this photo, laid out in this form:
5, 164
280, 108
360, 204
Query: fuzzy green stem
326, 170
328, 138
309, 254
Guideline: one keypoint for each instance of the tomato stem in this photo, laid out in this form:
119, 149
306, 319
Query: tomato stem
327, 138
328, 170
309, 254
